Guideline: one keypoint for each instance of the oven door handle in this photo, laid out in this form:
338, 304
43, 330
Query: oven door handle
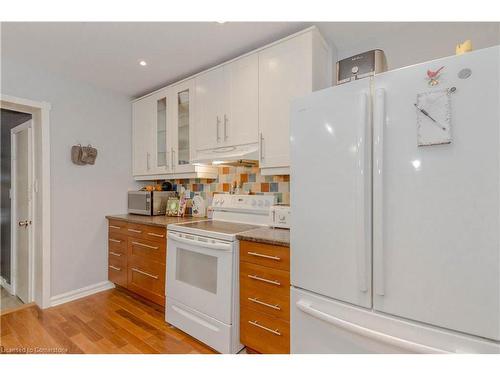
207, 245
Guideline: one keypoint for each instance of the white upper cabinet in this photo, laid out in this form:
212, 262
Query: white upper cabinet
238, 110
242, 118
150, 134
227, 107
142, 130
287, 70
182, 116
162, 135
209, 110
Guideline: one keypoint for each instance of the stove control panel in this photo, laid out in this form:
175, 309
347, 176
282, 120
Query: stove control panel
243, 202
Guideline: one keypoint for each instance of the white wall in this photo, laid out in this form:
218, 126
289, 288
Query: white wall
81, 195
410, 42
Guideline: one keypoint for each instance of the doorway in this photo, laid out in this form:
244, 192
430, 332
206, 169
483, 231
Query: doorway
16, 255
30, 228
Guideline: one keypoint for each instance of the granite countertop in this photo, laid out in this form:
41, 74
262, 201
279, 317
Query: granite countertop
272, 236
159, 221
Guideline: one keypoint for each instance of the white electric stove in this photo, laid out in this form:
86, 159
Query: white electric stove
202, 270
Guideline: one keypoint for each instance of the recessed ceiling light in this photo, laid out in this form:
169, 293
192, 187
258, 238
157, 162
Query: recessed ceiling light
143, 63
221, 22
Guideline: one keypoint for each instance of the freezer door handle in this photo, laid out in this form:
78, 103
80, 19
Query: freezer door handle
405, 345
378, 191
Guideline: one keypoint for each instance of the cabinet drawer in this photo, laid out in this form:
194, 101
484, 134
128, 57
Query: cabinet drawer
155, 233
147, 249
136, 230
117, 243
147, 278
265, 255
117, 270
264, 333
276, 305
117, 227
274, 284
148, 232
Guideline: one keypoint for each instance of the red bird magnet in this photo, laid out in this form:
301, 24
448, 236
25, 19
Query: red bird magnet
433, 76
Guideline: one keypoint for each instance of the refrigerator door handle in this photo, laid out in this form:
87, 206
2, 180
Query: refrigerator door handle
379, 116
362, 203
406, 345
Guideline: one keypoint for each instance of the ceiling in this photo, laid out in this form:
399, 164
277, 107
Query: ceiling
107, 54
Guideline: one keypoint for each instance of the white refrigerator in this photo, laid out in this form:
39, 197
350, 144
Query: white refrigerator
395, 192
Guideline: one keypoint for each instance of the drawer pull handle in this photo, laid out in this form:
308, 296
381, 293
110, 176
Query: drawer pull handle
276, 307
115, 227
115, 254
113, 240
256, 324
145, 273
115, 268
144, 245
156, 235
135, 230
274, 282
263, 255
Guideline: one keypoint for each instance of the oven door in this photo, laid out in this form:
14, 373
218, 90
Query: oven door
200, 274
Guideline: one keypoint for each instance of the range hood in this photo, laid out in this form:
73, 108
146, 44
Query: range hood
242, 155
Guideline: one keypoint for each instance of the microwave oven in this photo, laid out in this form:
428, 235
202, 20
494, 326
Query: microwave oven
149, 203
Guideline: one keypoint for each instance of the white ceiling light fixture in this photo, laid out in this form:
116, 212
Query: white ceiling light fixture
142, 63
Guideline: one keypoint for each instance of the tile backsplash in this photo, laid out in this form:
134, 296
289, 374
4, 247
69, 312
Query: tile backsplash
249, 178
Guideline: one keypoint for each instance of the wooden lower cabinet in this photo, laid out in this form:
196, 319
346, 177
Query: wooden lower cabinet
264, 333
137, 258
265, 297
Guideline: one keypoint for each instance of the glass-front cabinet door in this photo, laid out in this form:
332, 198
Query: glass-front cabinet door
182, 112
162, 132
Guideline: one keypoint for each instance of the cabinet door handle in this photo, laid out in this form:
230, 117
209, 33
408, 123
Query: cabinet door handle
261, 146
217, 123
225, 127
144, 245
115, 254
113, 240
135, 230
115, 227
144, 273
115, 268
255, 300
148, 157
156, 235
256, 324
172, 156
274, 282
263, 255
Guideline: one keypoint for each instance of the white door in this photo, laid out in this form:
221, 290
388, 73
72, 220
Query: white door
209, 101
200, 274
284, 74
143, 118
242, 119
331, 193
436, 208
22, 153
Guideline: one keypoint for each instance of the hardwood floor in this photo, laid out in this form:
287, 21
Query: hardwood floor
7, 301
108, 322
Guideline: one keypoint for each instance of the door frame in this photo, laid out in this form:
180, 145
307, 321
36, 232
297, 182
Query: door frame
28, 125
41, 232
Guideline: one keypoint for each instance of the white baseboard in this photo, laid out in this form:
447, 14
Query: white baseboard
80, 293
5, 285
